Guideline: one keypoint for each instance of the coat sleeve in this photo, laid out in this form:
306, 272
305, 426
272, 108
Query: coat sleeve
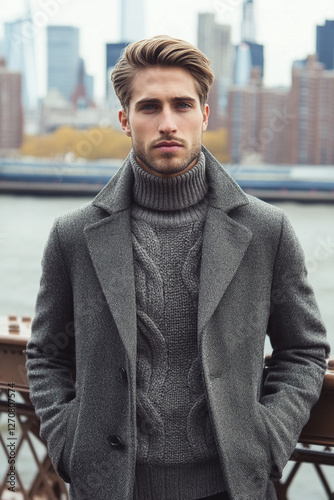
298, 362
50, 351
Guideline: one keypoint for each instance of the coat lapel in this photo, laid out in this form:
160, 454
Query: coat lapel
110, 248
224, 245
225, 240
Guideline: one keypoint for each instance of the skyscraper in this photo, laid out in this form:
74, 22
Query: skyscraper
113, 53
248, 22
63, 59
257, 123
223, 62
205, 34
133, 20
325, 44
214, 40
19, 52
243, 121
274, 134
11, 121
248, 54
243, 64
257, 56
82, 96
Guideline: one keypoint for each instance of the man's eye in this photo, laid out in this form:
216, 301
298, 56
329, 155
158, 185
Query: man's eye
148, 107
183, 105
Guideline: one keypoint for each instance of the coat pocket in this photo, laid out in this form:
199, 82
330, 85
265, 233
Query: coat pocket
71, 415
276, 441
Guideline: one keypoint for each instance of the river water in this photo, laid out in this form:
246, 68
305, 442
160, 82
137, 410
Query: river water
25, 222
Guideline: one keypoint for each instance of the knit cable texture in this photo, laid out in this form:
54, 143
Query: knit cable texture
172, 413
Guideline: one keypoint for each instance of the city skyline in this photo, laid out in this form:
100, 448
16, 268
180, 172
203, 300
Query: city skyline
287, 32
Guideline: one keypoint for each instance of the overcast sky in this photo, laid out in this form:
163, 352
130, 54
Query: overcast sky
287, 28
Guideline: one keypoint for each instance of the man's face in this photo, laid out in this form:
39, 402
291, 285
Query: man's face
165, 120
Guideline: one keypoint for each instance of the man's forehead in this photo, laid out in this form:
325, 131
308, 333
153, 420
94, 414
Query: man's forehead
161, 82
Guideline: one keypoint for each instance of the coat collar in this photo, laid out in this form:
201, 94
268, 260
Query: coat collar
225, 193
116, 195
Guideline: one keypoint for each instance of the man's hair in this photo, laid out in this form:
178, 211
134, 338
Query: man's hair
161, 50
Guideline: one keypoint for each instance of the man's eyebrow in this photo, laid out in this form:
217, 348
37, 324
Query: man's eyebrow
153, 100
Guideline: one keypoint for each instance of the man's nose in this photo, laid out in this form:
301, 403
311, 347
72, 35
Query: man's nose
167, 124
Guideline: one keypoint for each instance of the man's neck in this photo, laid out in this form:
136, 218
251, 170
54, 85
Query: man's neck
169, 194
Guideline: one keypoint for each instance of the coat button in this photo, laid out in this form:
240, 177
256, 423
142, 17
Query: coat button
115, 441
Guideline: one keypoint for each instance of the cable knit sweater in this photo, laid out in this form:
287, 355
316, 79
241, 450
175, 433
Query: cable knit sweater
177, 457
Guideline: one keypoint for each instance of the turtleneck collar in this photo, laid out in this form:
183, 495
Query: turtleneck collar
169, 194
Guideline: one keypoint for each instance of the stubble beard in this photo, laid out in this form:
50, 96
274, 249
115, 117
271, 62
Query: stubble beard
165, 164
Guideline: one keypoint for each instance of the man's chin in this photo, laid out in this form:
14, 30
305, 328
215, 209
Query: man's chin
166, 163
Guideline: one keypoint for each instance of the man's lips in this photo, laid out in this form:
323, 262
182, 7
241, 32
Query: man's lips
168, 146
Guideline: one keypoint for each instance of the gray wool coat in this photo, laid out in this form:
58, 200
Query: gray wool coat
252, 284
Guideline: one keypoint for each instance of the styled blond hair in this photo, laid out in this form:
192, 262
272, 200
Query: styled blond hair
161, 50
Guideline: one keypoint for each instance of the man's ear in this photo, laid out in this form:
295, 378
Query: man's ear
206, 112
123, 119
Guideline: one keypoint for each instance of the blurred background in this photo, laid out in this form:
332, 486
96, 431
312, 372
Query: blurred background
271, 121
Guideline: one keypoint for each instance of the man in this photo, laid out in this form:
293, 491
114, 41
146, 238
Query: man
159, 295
